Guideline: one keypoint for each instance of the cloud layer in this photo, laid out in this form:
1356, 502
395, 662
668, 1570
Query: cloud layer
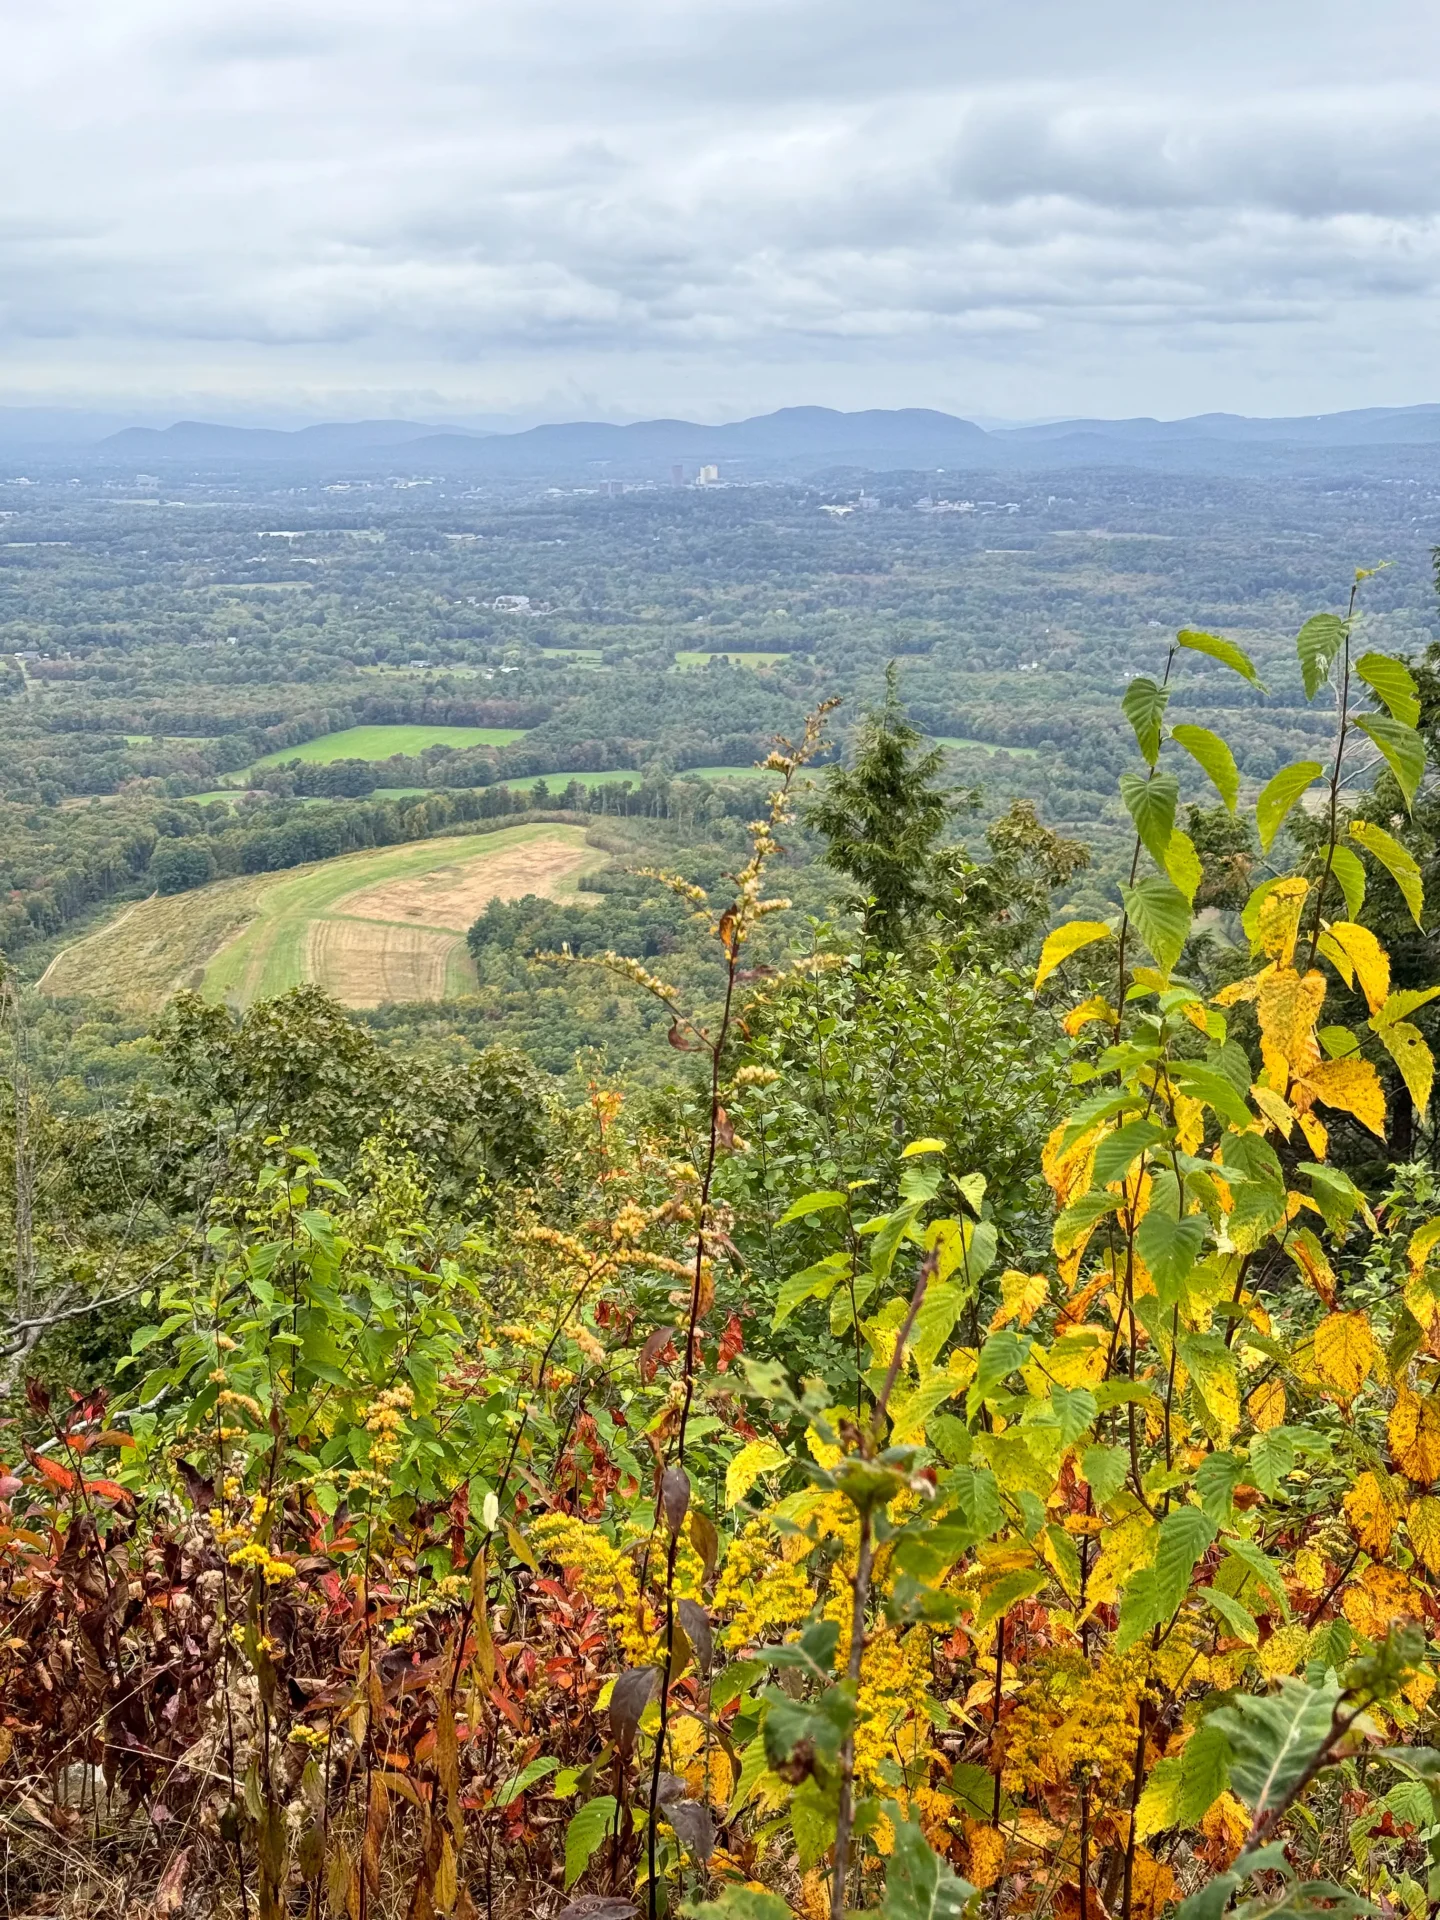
719, 205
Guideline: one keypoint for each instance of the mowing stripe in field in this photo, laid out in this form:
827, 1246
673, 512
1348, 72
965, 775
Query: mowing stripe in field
269, 955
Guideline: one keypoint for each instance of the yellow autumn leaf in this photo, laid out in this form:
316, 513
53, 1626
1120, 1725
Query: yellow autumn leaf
1021, 1297
1410, 1051
1310, 1257
1288, 1005
1422, 1244
1310, 1571
1189, 1121
1422, 1523
1276, 1109
1125, 1547
1266, 1405
1353, 1086
1371, 1516
1063, 941
1277, 923
1283, 1651
1317, 1136
753, 1459
1237, 991
1357, 955
1345, 1351
1097, 1007
1414, 1431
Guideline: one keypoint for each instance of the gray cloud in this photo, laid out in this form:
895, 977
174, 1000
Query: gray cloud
710, 204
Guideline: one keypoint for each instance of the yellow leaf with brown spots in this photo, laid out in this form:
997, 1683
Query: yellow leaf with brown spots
1097, 1007
1352, 1086
1345, 1351
1225, 1826
1422, 1523
1266, 1405
1414, 1431
1277, 924
1288, 1005
1371, 1516
1383, 1597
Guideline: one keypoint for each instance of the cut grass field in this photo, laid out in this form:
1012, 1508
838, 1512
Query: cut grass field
984, 746
378, 743
369, 927
687, 659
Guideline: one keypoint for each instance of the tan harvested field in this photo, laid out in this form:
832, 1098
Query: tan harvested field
368, 927
455, 896
366, 963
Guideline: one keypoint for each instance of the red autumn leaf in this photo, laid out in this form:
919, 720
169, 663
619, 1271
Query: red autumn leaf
109, 1489
57, 1475
732, 1341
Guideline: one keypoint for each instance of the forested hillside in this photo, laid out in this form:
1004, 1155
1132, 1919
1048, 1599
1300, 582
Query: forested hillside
952, 1432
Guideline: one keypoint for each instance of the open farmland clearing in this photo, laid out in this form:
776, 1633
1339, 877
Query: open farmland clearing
368, 927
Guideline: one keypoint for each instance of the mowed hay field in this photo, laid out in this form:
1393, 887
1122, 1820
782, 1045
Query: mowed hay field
379, 742
368, 927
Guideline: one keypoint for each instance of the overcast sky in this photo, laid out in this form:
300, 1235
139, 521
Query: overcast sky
620, 208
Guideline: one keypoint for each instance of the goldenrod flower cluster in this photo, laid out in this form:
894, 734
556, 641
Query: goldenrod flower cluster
607, 1576
890, 1717
384, 1421
255, 1553
762, 1588
1076, 1723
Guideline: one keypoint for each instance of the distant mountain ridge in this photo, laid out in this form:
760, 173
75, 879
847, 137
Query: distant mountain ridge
791, 439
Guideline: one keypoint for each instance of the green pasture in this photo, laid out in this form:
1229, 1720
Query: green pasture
379, 743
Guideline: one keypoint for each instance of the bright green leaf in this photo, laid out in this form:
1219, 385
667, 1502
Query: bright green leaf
1214, 759
1391, 681
1279, 795
1225, 651
1317, 644
1144, 707
1151, 804
1402, 747
1161, 915
1397, 861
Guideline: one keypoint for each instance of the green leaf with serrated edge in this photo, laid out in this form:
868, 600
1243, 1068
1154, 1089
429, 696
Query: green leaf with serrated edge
1118, 1151
1272, 1456
1391, 680
1159, 1806
1144, 707
811, 1203
1349, 870
1214, 1088
1155, 1593
919, 1885
1161, 915
1225, 651
1100, 1106
1204, 1771
1151, 804
738, 1902
1214, 758
524, 1780
1264, 1569
1279, 795
1316, 645
816, 1282
1240, 1620
1397, 861
1169, 1249
1216, 1479
1275, 1738
1079, 1217
588, 1827
1103, 1470
1183, 865
752, 1764
1402, 747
